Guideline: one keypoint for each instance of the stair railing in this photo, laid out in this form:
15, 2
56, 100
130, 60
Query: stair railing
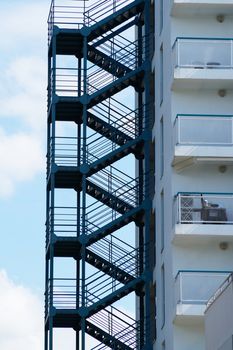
117, 324
125, 118
110, 250
99, 285
115, 177
103, 9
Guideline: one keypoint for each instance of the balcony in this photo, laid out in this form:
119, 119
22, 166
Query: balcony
201, 7
203, 63
203, 138
203, 216
193, 290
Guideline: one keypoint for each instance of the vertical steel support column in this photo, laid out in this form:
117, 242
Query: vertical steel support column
52, 195
46, 305
48, 165
78, 212
84, 154
142, 180
148, 272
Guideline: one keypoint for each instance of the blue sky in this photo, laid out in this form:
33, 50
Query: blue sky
23, 52
22, 138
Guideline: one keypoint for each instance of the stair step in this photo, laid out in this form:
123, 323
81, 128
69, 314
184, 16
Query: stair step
110, 160
106, 62
108, 268
115, 296
109, 131
107, 198
105, 337
133, 215
120, 17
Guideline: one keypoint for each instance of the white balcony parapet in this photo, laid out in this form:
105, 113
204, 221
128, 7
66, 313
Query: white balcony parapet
194, 288
203, 137
204, 53
203, 62
204, 130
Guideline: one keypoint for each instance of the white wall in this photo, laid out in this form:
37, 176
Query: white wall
203, 178
203, 256
189, 337
219, 321
197, 102
202, 26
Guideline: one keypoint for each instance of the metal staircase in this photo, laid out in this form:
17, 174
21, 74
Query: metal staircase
95, 198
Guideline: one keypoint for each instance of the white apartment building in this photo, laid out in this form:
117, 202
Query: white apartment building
193, 136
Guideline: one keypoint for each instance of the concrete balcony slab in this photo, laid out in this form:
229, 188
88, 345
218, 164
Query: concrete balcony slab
202, 78
201, 7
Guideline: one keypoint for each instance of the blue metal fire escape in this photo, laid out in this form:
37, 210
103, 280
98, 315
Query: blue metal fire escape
94, 189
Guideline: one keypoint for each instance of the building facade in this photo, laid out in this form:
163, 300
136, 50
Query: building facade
193, 164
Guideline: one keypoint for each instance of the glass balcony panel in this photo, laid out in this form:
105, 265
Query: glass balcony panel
198, 287
203, 130
205, 209
204, 53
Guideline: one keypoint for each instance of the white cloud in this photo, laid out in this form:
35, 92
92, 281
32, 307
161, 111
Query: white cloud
21, 317
21, 158
23, 91
29, 73
23, 22
22, 320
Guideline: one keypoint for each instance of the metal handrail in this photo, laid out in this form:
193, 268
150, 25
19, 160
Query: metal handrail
65, 15
102, 9
64, 81
103, 286
110, 181
63, 220
120, 193
121, 262
63, 150
65, 293
120, 116
123, 327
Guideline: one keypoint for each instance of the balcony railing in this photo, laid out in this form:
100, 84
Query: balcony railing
203, 53
196, 287
204, 208
204, 130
